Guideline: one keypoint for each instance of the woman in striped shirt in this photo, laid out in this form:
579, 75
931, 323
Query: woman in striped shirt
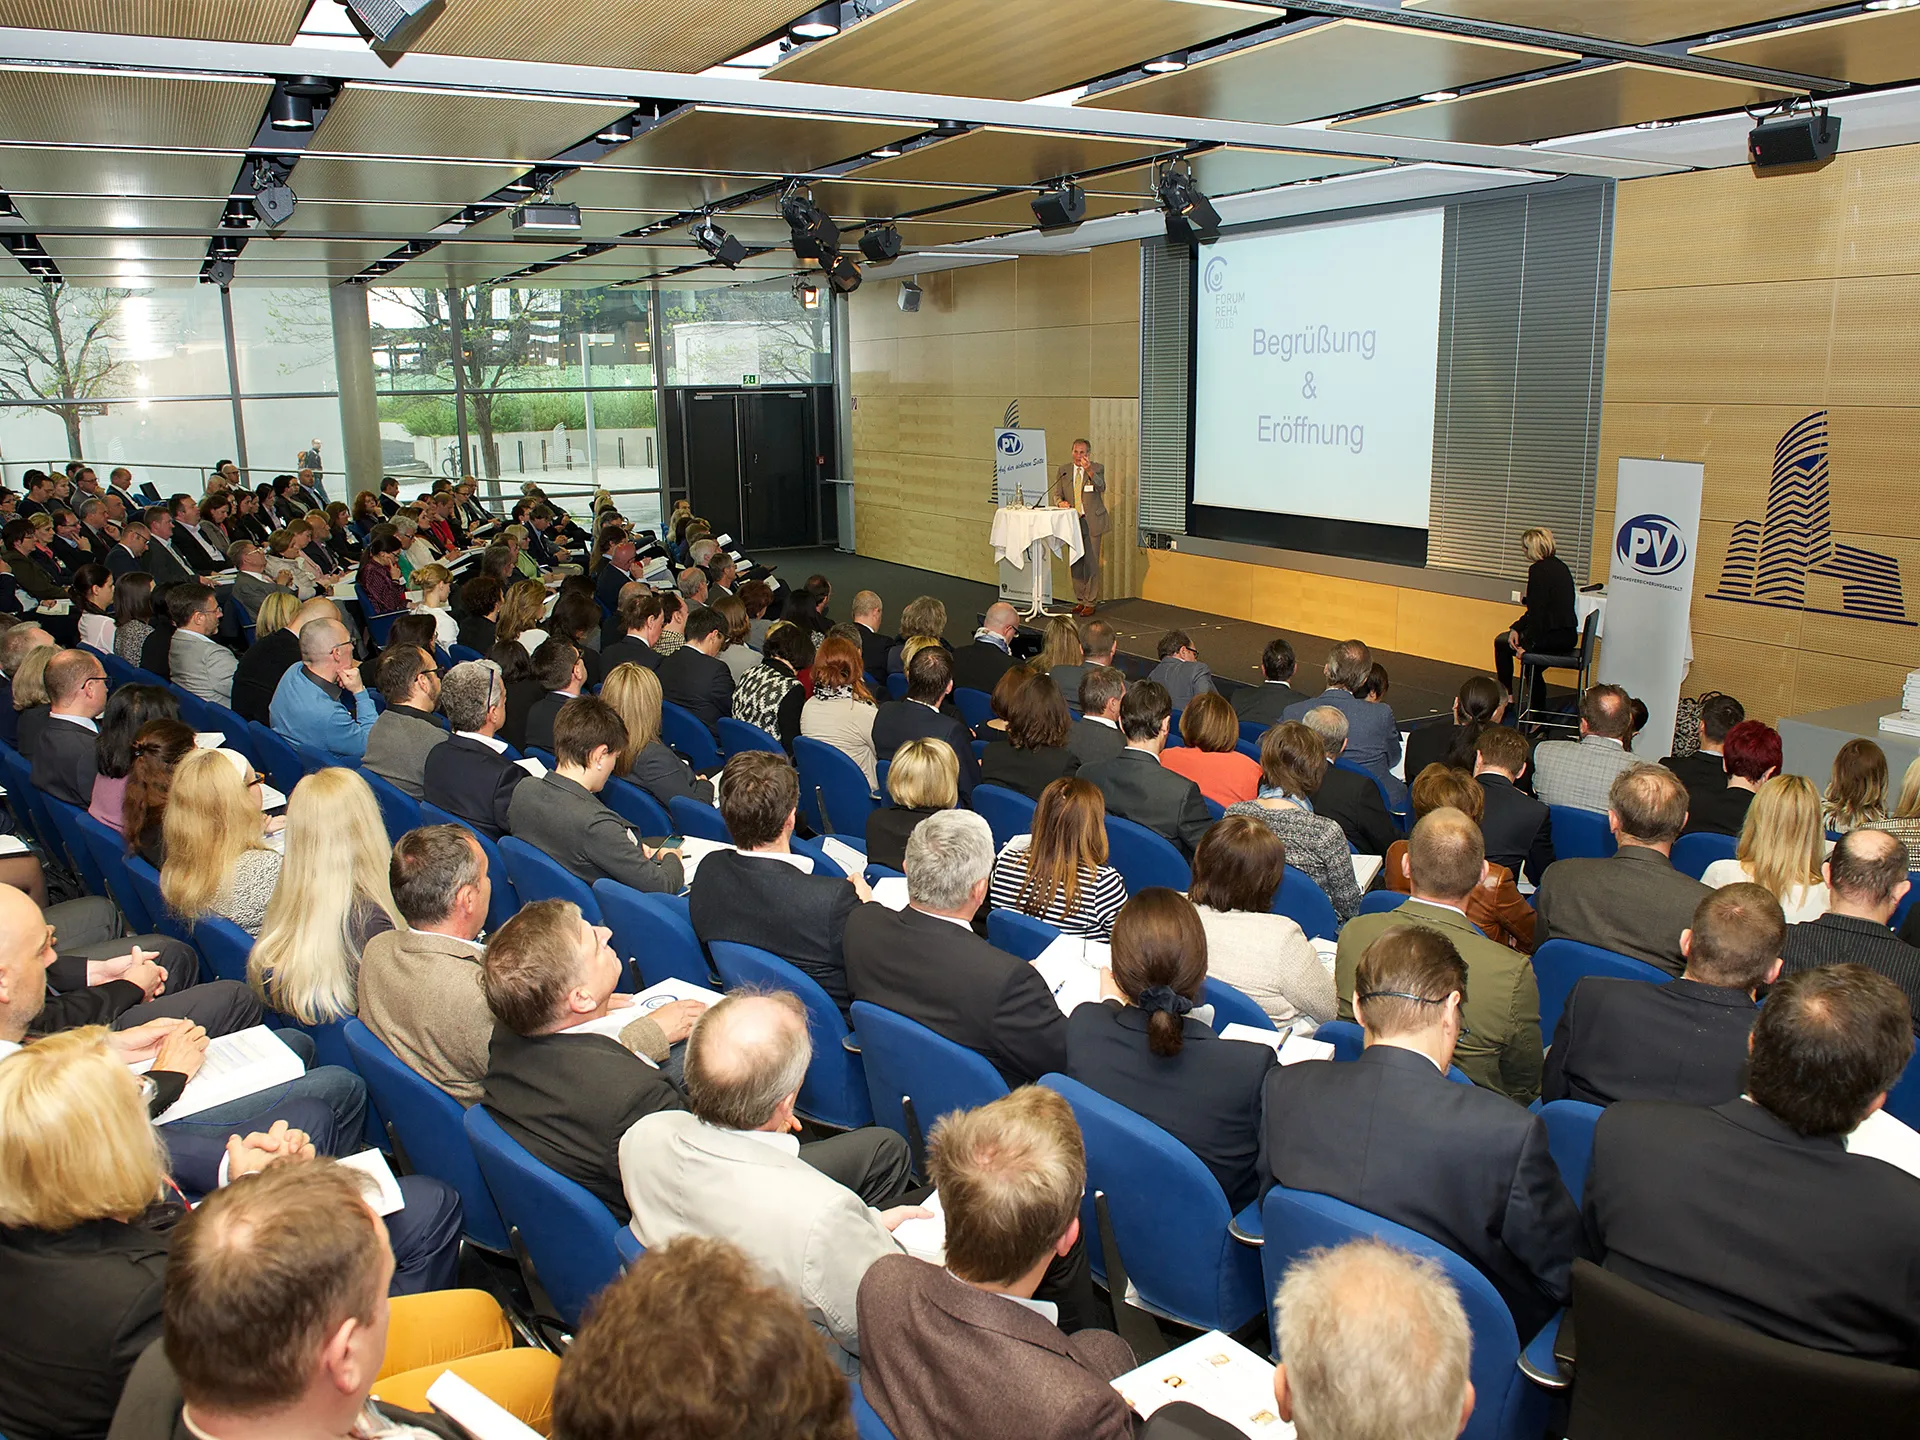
1059, 873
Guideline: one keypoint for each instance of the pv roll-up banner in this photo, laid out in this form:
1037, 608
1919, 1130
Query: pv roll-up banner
1020, 466
1648, 639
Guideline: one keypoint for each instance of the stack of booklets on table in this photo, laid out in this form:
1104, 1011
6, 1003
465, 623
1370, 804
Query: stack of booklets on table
1906, 720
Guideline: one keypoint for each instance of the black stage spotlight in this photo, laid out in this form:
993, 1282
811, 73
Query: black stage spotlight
273, 198
844, 275
1060, 207
220, 272
815, 236
291, 106
718, 243
880, 244
392, 23
817, 24
1190, 215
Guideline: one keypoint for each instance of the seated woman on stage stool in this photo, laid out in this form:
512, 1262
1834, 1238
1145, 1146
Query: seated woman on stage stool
1549, 624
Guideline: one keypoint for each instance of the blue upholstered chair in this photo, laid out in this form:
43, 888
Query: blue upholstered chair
538, 876
506, 900
1007, 812
914, 1076
834, 795
1144, 857
653, 931
1307, 905
399, 811
1233, 1006
1579, 834
737, 737
1693, 853
688, 734
1019, 934
835, 1090
1559, 965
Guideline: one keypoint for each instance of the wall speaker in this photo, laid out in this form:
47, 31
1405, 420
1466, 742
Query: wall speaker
1798, 139
1059, 208
909, 297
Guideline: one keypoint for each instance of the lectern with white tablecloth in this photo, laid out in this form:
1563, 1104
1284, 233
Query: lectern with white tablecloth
1024, 540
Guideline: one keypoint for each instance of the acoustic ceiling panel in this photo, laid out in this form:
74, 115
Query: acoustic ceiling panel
354, 255
992, 156
130, 273
1637, 22
594, 224
710, 138
62, 107
1874, 48
1233, 169
1324, 70
607, 188
395, 120
1015, 212
116, 173
682, 35
367, 217
49, 213
404, 182
247, 22
1606, 97
124, 247
882, 200
1011, 49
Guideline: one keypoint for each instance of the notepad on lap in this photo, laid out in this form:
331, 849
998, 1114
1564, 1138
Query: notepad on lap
1218, 1374
844, 855
474, 1412
1291, 1048
532, 766
237, 1065
925, 1239
1365, 867
694, 849
386, 1198
649, 999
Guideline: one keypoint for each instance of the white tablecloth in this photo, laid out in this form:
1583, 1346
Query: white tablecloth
1014, 530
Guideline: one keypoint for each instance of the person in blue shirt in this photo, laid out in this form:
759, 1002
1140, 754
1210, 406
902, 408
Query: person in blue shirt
321, 702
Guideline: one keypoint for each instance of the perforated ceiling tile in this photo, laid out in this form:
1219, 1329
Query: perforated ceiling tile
63, 107
1232, 169
713, 138
250, 22
1638, 22
321, 177
994, 156
115, 173
1872, 48
683, 35
394, 120
623, 188
94, 212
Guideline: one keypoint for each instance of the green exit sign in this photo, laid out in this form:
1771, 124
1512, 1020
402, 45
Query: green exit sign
749, 379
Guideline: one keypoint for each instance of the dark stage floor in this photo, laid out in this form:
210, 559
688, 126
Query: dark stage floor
1420, 687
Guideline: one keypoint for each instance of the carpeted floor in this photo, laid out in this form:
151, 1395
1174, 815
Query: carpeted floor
1420, 687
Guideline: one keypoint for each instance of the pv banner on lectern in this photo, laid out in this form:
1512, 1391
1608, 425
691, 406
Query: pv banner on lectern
1650, 589
1020, 467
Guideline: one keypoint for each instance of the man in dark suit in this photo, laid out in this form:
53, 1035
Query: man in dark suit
186, 536
1517, 826
639, 621
926, 963
1867, 878
979, 664
63, 760
920, 716
1390, 1133
614, 572
37, 486
1136, 786
1702, 772
949, 1352
761, 893
1097, 644
162, 561
479, 612
128, 554
1263, 706
562, 674
1686, 1040
694, 677
1096, 734
1350, 798
70, 546
874, 646
470, 776
1634, 902
1688, 1202
565, 1093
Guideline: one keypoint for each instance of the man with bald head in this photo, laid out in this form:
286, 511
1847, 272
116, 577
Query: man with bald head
63, 760
1578, 774
321, 702
979, 664
1445, 860
733, 1169
1867, 877
615, 571
1633, 902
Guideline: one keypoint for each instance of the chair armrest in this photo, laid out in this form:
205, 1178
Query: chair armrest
1247, 1227
1537, 1360
848, 1044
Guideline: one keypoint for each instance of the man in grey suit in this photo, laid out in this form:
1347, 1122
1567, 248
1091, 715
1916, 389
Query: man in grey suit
733, 1169
1265, 704
1373, 739
1181, 669
252, 585
1081, 486
1634, 902
196, 662
1096, 734
1566, 772
407, 730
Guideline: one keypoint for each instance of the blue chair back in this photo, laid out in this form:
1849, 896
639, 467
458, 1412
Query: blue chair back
654, 933
1174, 741
66, 824
1509, 1406
225, 947
738, 737
235, 729
506, 900
1215, 810
1348, 1040
1144, 857
1248, 748
1232, 1006
635, 806
545, 757
1307, 905
1252, 732
379, 622
1903, 1100
1579, 834
1693, 853
197, 713
145, 881
275, 754
28, 804
1007, 812
835, 1091
1570, 1139
1172, 1234
866, 1424
398, 810
1378, 902
1906, 900
460, 654
1398, 812
823, 863
538, 876
313, 759
690, 817
975, 706
904, 1059
1019, 934
834, 797
687, 733
428, 1124
119, 672
108, 849
568, 1236
1559, 965
897, 686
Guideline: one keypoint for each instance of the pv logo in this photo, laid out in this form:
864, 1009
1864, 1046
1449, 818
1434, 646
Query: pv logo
1651, 544
1009, 443
1215, 275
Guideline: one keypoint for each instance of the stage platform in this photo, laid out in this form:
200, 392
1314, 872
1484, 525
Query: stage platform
1808, 743
1421, 688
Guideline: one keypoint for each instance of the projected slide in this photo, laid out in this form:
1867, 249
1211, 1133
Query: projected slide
1314, 354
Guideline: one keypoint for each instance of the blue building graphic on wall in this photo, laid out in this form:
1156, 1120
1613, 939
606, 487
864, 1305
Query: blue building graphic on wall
1768, 561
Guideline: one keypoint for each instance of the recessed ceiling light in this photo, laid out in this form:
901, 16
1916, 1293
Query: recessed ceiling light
886, 152
1892, 4
1167, 64
1433, 95
817, 24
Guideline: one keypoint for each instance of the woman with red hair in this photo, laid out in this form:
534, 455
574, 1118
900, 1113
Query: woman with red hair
1751, 755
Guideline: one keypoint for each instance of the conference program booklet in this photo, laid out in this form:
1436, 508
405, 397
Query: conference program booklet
236, 1066
1218, 1374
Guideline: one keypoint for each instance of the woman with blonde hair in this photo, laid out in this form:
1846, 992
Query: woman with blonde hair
522, 612
1059, 873
1902, 819
1550, 622
1782, 846
31, 703
1060, 645
924, 618
740, 658
1857, 793
277, 610
435, 584
840, 711
923, 778
216, 860
333, 897
634, 693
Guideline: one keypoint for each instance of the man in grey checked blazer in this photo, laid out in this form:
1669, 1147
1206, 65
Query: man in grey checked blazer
1565, 773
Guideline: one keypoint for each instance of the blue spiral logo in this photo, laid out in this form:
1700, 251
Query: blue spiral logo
1215, 275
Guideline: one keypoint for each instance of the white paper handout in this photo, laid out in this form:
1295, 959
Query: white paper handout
208, 739
1365, 867
1218, 1374
891, 891
13, 845
532, 765
386, 1198
651, 998
474, 1412
237, 1065
925, 1239
694, 849
844, 855
1291, 1048
1071, 966
1885, 1138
